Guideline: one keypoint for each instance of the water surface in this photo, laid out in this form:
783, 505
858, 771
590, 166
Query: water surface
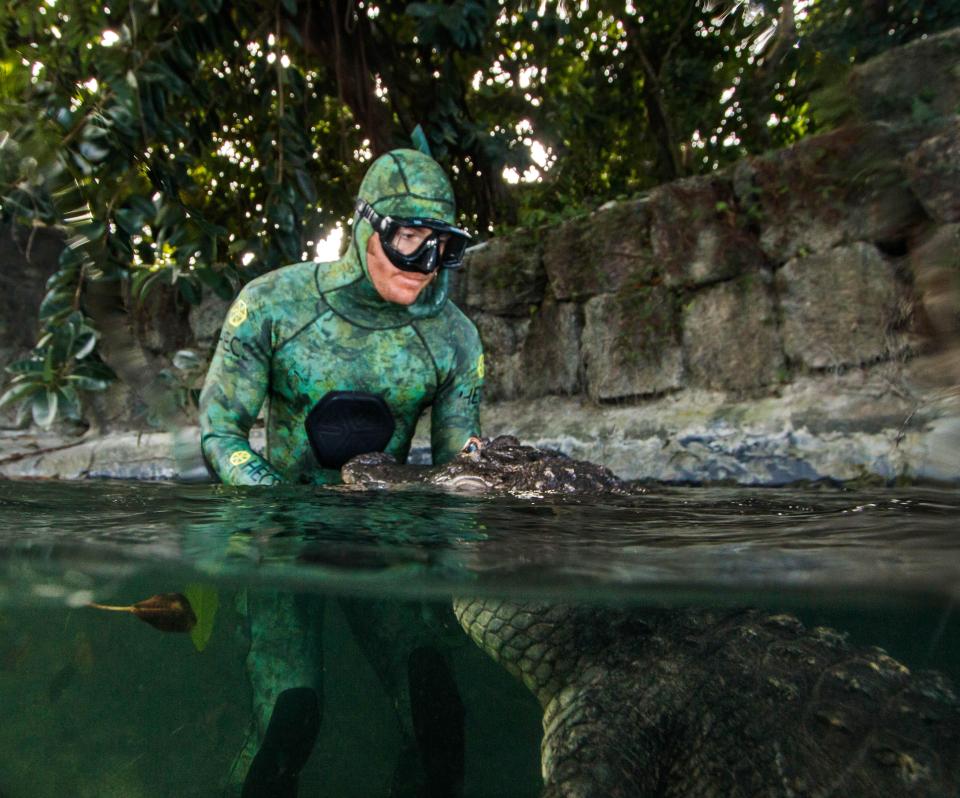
99, 704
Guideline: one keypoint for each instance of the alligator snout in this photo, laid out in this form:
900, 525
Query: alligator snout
467, 483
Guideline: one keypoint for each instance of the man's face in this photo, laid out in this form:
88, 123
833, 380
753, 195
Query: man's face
393, 284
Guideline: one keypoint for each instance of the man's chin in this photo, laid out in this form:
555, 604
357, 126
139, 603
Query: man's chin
409, 292
403, 297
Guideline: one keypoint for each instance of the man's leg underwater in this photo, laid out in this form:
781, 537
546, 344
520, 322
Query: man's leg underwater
285, 668
408, 648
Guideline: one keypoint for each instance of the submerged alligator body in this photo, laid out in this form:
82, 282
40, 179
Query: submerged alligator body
695, 702
719, 703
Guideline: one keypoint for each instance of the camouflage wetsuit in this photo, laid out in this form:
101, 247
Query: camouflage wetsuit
291, 337
297, 333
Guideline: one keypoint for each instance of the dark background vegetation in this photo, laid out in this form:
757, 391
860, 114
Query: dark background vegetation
194, 144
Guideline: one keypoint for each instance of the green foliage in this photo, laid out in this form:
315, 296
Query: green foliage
197, 144
47, 384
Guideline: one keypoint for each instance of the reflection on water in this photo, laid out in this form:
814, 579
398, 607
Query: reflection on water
429, 544
100, 704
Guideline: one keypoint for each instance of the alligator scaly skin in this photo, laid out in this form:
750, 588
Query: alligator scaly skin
695, 703
719, 703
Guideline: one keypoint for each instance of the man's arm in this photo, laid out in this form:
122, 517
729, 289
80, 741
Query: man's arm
233, 393
455, 416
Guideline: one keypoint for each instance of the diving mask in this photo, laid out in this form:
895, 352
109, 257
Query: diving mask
417, 244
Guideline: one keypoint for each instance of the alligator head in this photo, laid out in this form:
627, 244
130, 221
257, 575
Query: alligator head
501, 465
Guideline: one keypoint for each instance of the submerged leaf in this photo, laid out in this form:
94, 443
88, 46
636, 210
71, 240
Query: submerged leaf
168, 612
205, 601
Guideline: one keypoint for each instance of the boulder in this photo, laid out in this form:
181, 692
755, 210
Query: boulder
457, 289
844, 186
730, 336
919, 79
501, 338
860, 424
936, 272
601, 252
697, 234
550, 358
839, 308
161, 320
933, 171
206, 320
505, 275
630, 344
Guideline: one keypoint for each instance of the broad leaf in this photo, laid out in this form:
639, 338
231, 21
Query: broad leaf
84, 345
88, 383
30, 365
205, 601
44, 408
68, 402
168, 612
20, 392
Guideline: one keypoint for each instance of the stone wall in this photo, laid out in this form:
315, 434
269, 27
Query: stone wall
825, 264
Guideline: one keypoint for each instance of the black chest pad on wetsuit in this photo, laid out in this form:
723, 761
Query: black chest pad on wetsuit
344, 424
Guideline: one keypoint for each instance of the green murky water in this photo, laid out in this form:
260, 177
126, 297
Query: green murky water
100, 704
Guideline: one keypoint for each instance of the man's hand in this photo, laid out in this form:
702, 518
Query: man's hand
472, 446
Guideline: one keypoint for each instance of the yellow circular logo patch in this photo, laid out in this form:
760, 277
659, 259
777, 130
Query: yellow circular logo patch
480, 367
239, 458
238, 313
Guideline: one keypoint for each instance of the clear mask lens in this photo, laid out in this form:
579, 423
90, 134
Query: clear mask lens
407, 240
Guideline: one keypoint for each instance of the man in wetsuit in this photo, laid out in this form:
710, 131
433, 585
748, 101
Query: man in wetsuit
347, 355
358, 348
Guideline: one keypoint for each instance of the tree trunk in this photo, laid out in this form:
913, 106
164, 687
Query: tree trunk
333, 33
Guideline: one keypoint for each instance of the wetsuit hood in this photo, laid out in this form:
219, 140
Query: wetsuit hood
404, 184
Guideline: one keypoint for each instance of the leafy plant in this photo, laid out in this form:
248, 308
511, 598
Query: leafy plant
48, 383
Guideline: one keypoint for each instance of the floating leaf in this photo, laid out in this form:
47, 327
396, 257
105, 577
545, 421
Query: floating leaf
205, 601
168, 612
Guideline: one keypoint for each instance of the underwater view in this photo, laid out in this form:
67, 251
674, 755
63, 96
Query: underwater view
99, 703
480, 399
